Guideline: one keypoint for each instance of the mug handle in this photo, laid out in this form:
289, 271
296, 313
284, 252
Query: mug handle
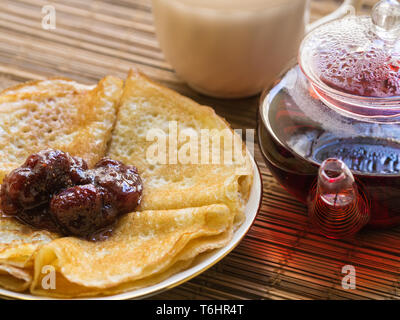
347, 7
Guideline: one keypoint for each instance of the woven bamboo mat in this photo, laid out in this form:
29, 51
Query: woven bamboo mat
281, 257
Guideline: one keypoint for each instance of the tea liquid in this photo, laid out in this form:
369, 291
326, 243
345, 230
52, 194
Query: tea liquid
302, 133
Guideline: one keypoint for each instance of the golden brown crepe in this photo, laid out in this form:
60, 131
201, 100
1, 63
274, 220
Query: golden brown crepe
15, 279
59, 114
187, 208
144, 244
147, 107
18, 242
56, 113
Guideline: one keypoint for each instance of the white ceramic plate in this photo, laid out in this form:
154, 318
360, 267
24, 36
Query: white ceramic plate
206, 260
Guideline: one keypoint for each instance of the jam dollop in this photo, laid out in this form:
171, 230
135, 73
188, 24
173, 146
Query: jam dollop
55, 191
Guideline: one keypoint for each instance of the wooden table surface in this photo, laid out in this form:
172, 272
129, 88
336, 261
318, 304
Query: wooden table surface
280, 258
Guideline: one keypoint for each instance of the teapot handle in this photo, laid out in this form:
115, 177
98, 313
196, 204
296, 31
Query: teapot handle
347, 7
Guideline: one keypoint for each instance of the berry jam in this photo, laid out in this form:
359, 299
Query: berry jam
57, 192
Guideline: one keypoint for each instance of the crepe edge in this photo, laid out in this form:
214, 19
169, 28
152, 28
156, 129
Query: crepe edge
192, 248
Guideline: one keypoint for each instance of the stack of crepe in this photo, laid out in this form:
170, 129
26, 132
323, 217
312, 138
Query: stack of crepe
187, 208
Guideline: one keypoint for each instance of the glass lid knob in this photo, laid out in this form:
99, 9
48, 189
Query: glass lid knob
386, 19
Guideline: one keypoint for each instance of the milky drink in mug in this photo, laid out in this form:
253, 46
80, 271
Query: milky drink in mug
229, 48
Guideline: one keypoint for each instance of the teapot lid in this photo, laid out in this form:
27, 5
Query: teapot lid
357, 56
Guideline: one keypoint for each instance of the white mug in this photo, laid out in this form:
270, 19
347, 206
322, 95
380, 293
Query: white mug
233, 48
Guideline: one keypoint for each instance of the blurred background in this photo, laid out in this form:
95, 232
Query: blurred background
104, 36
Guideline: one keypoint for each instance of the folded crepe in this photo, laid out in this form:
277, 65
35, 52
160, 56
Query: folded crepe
143, 244
56, 113
187, 208
149, 113
15, 279
17, 246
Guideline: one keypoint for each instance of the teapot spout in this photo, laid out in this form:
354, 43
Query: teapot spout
337, 208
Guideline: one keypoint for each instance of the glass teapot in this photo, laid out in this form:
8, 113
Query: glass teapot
329, 129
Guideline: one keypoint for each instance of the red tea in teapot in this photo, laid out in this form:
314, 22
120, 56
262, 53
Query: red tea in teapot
340, 104
301, 132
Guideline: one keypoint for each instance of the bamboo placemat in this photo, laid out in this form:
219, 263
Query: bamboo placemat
281, 257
